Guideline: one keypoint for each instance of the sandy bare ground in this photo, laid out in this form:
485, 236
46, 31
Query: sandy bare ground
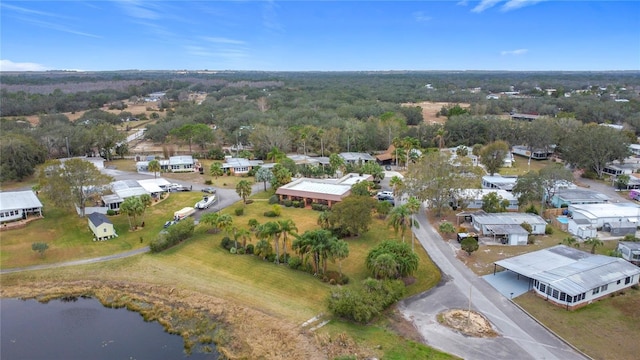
468, 323
430, 109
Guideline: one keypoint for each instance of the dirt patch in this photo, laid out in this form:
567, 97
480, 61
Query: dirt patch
244, 333
430, 109
469, 323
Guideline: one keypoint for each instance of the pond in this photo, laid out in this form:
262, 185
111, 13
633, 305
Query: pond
83, 329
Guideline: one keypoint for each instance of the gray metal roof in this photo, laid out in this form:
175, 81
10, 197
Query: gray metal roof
581, 194
15, 200
354, 156
631, 245
97, 219
128, 188
570, 270
507, 218
507, 229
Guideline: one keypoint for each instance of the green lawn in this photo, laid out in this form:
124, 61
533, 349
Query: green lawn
69, 236
200, 264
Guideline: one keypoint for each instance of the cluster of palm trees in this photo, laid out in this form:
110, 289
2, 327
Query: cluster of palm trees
134, 207
321, 246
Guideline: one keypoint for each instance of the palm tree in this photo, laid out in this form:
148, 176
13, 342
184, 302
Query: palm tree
211, 219
323, 220
318, 244
216, 170
224, 222
287, 227
243, 189
263, 248
413, 206
275, 154
154, 165
244, 235
268, 230
440, 137
571, 242
594, 243
146, 201
399, 219
384, 266
396, 184
132, 207
340, 251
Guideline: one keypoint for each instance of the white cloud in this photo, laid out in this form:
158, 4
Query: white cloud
514, 52
139, 10
270, 16
220, 40
420, 16
484, 5
8, 65
517, 4
462, 3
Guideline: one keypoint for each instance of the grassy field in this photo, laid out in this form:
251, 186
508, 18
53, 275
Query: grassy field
521, 166
69, 236
606, 329
201, 265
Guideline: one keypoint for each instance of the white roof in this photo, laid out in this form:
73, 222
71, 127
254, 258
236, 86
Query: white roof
182, 159
507, 218
353, 178
127, 188
14, 200
317, 187
150, 186
581, 194
480, 193
355, 156
609, 210
570, 270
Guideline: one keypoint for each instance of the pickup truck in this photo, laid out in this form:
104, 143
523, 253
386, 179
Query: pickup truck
206, 201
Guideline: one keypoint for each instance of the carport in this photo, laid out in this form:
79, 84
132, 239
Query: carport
509, 283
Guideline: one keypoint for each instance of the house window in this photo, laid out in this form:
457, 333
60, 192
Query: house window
595, 291
549, 289
563, 296
555, 293
104, 230
543, 287
604, 287
569, 298
627, 280
618, 282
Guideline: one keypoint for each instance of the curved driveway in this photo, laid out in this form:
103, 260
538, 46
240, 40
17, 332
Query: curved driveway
520, 337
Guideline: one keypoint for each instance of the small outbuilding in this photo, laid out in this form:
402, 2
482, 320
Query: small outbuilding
488, 223
630, 251
101, 227
499, 182
617, 215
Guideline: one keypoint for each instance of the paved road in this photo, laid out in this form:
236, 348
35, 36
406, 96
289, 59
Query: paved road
520, 336
78, 262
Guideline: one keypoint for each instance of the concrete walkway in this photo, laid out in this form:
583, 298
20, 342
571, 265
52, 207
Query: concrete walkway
520, 336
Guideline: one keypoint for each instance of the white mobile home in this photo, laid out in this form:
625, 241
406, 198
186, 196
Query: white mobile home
630, 251
600, 214
499, 182
17, 205
536, 154
481, 221
472, 198
572, 278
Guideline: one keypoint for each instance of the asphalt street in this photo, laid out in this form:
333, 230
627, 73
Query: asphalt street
520, 337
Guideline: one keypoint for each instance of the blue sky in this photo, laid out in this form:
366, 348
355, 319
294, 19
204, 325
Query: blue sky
320, 35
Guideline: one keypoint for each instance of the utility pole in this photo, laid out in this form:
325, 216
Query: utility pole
66, 138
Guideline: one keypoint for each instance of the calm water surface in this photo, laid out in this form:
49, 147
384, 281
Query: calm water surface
83, 329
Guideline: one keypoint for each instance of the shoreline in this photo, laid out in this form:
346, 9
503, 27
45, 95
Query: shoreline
237, 332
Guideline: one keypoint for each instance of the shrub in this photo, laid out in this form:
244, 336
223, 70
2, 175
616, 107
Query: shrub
344, 280
295, 263
239, 211
249, 249
111, 212
532, 210
319, 207
589, 174
270, 214
277, 209
332, 281
271, 257
241, 251
364, 303
249, 201
233, 250
226, 243
548, 229
295, 204
173, 235
208, 182
287, 203
274, 199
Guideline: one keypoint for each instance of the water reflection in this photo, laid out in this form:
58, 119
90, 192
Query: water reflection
81, 328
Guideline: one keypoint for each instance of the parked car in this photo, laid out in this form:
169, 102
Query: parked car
169, 223
388, 167
209, 190
385, 193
